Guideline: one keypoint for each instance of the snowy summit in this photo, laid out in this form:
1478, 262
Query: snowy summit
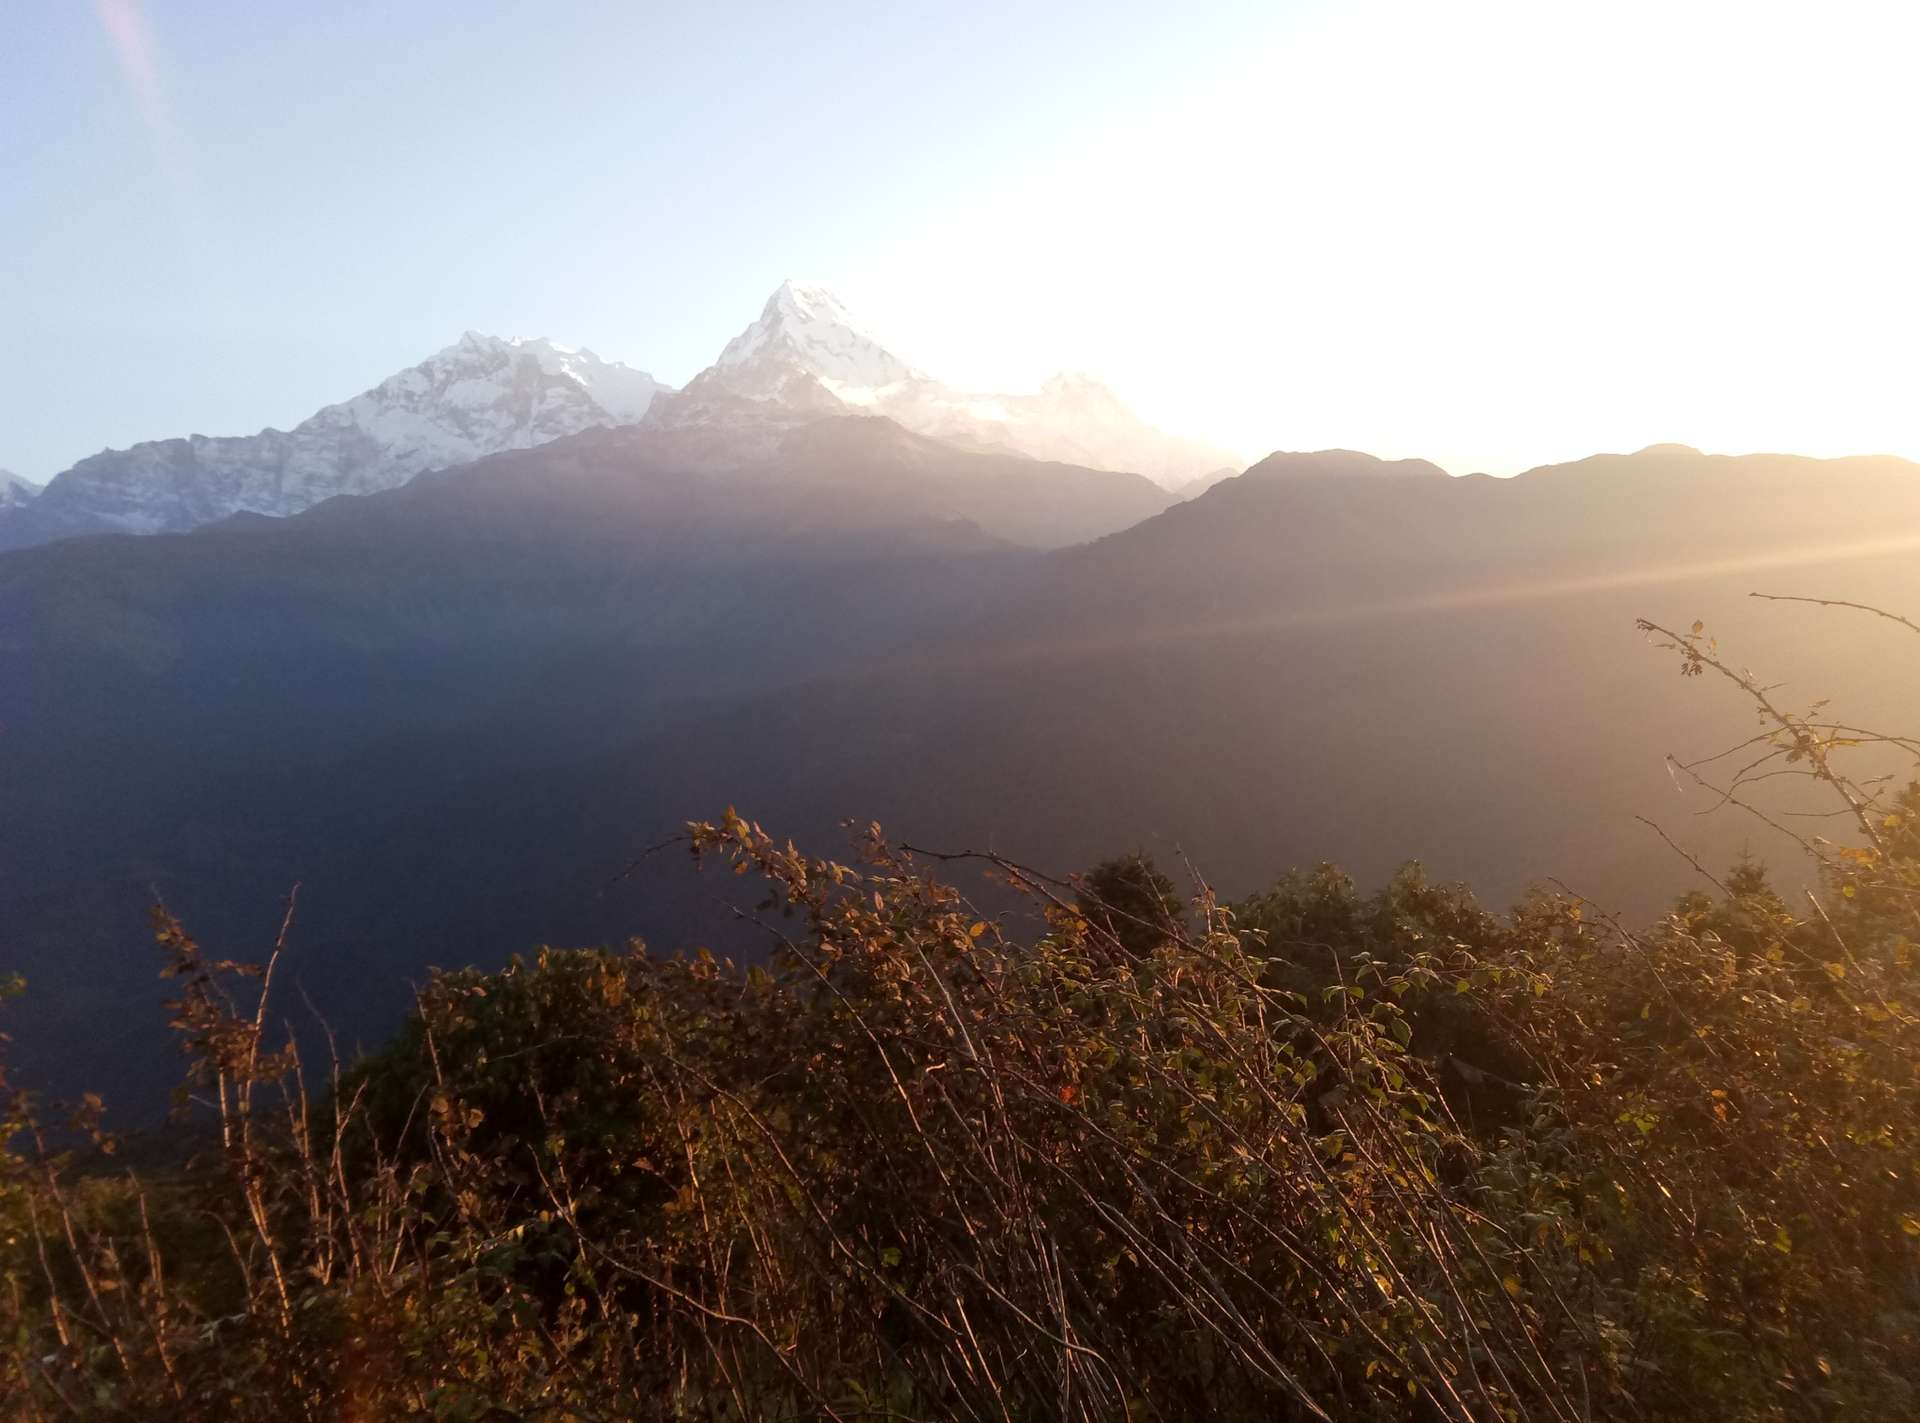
803, 359
805, 346
806, 326
479, 396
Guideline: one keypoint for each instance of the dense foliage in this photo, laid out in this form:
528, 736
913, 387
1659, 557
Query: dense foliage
1320, 1154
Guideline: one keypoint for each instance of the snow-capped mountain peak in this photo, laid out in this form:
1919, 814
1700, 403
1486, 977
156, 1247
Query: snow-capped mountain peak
805, 357
807, 301
479, 396
805, 327
620, 390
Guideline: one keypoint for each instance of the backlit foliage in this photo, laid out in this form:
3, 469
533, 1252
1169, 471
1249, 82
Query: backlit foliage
1320, 1154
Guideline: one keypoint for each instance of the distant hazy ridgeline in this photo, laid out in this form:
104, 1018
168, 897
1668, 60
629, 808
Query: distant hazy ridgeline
452, 711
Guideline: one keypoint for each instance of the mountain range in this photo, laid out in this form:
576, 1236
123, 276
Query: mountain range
457, 711
804, 357
477, 397
450, 654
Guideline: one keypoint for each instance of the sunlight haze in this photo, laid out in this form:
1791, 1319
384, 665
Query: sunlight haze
996, 713
1491, 234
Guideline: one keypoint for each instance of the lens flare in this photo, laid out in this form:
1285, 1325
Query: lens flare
126, 26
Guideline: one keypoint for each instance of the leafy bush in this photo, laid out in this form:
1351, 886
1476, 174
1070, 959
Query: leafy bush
1319, 1154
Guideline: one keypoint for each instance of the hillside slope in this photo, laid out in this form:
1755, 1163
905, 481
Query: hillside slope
455, 712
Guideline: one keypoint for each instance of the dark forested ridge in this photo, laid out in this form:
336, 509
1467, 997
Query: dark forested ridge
943, 1133
453, 712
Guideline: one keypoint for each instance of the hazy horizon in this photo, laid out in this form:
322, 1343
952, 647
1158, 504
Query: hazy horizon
1495, 237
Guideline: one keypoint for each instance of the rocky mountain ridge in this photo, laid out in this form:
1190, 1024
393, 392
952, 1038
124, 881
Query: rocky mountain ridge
479, 396
802, 359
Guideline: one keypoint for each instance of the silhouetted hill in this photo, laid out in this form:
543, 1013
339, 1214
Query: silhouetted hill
455, 711
1339, 533
201, 714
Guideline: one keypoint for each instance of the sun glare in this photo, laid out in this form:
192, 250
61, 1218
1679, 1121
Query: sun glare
1492, 234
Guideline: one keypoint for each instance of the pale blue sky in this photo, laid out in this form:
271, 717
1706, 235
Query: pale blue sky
1492, 233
